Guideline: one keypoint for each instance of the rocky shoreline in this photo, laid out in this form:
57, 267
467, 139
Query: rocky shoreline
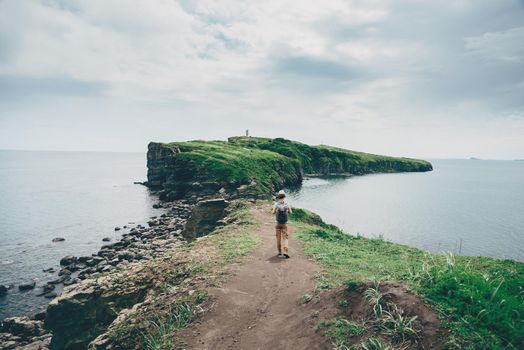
162, 234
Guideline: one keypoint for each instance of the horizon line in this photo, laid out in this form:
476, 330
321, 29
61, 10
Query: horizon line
93, 151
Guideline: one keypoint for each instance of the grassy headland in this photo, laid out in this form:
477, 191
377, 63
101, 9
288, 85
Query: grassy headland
481, 300
256, 166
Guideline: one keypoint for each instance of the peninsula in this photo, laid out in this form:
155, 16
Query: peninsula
204, 274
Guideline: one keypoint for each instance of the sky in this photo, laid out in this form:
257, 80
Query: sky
417, 78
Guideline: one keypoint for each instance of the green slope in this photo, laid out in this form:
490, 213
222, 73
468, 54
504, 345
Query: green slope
256, 166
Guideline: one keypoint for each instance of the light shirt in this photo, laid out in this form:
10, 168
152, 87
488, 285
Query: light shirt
281, 205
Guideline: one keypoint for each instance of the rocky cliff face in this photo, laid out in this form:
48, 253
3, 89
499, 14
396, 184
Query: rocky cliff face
204, 218
255, 167
176, 176
81, 313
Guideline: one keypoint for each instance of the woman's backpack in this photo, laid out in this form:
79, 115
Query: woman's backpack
282, 214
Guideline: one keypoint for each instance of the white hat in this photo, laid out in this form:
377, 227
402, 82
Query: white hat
281, 193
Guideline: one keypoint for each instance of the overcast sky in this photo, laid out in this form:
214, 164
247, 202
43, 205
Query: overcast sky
420, 78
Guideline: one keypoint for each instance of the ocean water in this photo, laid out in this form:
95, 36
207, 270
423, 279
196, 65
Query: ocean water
79, 196
473, 207
83, 196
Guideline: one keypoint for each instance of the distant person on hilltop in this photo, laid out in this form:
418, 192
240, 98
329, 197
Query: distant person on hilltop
281, 210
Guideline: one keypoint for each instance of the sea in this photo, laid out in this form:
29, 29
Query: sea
472, 207
79, 196
469, 207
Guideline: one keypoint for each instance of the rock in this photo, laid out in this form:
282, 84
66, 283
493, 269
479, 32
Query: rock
56, 281
94, 261
22, 326
27, 286
48, 287
204, 218
83, 259
68, 260
74, 267
41, 344
84, 311
3, 290
58, 239
50, 295
64, 272
39, 316
157, 206
152, 223
50, 270
106, 239
70, 282
117, 228
242, 188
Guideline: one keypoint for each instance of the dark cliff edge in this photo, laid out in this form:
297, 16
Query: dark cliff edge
255, 167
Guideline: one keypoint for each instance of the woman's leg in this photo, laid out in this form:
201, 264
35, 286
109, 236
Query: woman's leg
279, 234
284, 240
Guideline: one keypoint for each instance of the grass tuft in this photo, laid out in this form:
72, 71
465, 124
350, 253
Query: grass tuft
480, 299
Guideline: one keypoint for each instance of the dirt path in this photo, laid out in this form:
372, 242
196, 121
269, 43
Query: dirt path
258, 307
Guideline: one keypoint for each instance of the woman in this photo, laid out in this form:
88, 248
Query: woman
281, 210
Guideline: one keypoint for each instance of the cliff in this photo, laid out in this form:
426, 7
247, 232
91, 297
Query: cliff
249, 166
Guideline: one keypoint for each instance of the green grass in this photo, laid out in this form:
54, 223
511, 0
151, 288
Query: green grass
485, 306
237, 244
233, 165
326, 159
160, 334
266, 164
481, 299
339, 329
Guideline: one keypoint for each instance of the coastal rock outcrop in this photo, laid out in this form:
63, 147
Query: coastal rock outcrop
100, 286
204, 218
21, 333
251, 167
83, 311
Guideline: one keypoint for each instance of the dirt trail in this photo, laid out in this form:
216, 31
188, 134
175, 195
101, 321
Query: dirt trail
258, 307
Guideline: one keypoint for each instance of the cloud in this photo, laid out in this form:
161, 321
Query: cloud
357, 68
505, 46
27, 87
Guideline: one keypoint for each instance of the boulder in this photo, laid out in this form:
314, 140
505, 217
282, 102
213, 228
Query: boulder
48, 287
22, 327
39, 344
84, 311
64, 272
204, 218
3, 290
50, 295
58, 239
68, 260
39, 316
83, 259
106, 239
27, 286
